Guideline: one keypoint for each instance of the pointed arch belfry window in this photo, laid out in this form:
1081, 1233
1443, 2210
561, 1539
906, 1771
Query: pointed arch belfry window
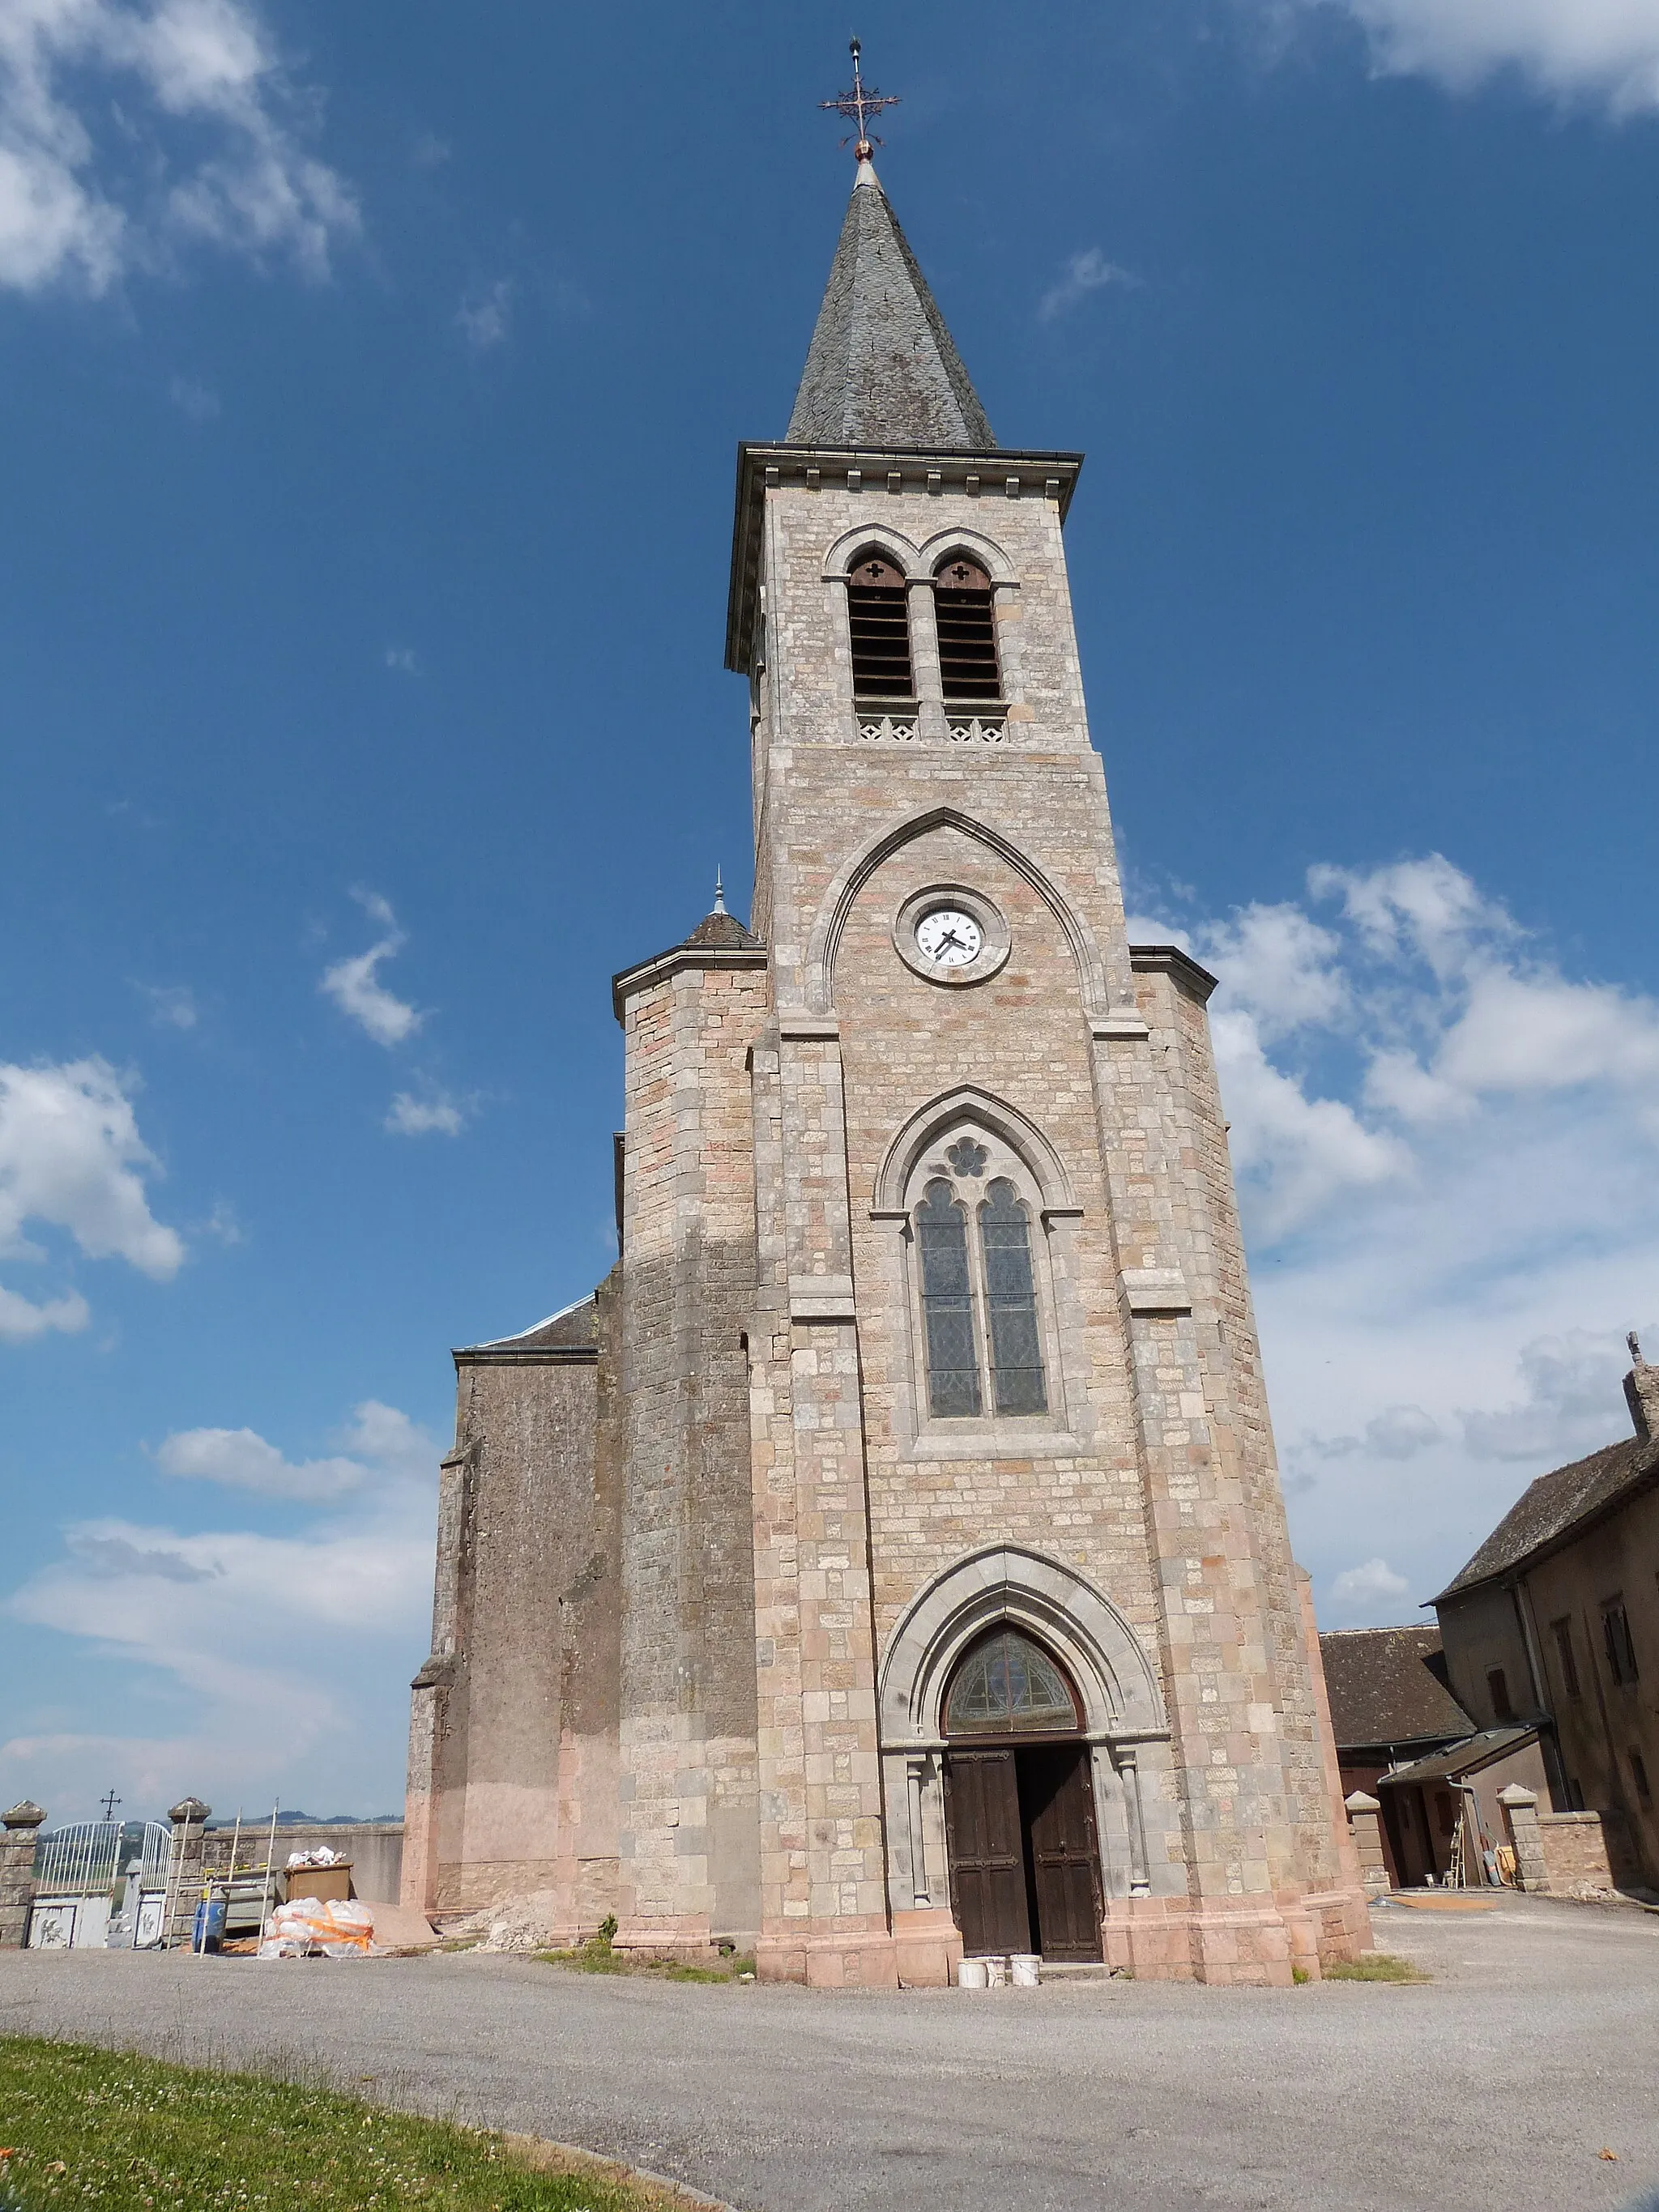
963, 608
947, 1300
878, 622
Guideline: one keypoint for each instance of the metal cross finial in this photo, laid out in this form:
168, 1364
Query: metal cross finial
859, 105
111, 1800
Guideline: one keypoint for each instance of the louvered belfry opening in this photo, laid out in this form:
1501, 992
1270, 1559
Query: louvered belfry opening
880, 625
967, 632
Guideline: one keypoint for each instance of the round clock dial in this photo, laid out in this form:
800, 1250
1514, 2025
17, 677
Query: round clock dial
948, 938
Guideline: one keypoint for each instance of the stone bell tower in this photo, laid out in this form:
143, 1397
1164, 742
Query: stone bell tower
1004, 1367
890, 1559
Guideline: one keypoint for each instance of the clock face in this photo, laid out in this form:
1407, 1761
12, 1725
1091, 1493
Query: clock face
948, 938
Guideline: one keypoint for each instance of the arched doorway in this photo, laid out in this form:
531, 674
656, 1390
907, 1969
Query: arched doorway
1018, 1808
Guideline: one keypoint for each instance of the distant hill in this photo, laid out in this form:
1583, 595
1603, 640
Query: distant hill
318, 1820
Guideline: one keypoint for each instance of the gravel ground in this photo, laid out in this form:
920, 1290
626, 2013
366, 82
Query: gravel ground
1534, 2048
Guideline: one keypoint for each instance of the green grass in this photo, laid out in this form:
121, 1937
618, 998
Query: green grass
597, 1957
85, 2126
1375, 1966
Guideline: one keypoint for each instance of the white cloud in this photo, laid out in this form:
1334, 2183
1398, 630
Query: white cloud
1604, 49
379, 1439
1446, 1150
1571, 1384
1295, 1155
1369, 1589
110, 1556
439, 1115
355, 985
1086, 272
127, 129
282, 1656
71, 1157
402, 658
485, 316
21, 1321
172, 1005
243, 1460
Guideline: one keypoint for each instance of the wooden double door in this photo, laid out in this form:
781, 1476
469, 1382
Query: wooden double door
1024, 1857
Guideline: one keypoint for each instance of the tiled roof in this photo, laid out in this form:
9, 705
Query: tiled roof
881, 370
1387, 1686
1549, 1508
720, 931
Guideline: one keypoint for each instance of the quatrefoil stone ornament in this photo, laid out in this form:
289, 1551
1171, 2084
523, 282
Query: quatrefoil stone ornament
967, 1158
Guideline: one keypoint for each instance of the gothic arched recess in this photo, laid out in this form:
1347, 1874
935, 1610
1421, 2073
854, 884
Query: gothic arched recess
825, 940
1121, 1698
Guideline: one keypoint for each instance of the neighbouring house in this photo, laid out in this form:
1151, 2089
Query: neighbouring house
1552, 1633
1391, 1706
1456, 1793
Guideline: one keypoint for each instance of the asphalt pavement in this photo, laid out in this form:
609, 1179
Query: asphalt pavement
1499, 2083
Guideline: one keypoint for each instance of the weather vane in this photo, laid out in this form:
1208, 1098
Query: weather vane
859, 106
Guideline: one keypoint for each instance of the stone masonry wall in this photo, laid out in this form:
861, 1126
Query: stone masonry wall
526, 1549
689, 1871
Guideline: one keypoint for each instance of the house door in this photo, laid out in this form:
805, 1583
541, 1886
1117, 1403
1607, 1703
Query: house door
987, 1855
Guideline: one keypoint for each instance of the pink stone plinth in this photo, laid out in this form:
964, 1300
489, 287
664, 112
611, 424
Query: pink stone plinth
1250, 1940
928, 1948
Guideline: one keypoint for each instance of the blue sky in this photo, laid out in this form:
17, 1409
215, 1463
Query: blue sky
372, 380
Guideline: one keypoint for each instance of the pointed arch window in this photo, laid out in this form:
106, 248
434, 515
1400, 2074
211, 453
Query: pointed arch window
966, 615
982, 1326
1009, 1685
1005, 1229
947, 1300
878, 621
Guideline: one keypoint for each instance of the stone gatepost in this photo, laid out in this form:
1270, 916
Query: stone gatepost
1521, 1817
22, 1829
189, 1818
1364, 1819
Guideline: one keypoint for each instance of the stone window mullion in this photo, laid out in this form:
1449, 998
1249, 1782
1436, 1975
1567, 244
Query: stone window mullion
924, 658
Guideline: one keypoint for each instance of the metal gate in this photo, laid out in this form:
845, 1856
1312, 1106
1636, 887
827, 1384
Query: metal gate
80, 1860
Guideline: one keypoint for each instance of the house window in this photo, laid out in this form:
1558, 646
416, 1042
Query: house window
1565, 1659
1615, 1634
966, 615
1638, 1767
982, 1317
1497, 1689
879, 621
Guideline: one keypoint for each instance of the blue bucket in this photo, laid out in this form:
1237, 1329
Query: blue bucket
209, 1929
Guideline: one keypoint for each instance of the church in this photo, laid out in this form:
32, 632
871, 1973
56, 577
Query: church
888, 1562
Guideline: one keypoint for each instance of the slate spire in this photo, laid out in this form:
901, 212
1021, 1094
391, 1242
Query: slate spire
882, 369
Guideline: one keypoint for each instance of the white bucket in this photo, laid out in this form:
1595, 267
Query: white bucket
1024, 1969
996, 1973
970, 1974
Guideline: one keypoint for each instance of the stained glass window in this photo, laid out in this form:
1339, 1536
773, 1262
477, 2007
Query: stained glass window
947, 1300
1010, 1296
1008, 1686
